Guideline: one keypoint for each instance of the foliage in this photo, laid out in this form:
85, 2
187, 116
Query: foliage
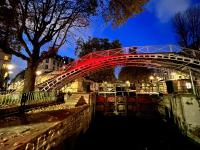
135, 74
39, 23
27, 25
104, 75
119, 11
8, 25
93, 45
187, 27
3, 79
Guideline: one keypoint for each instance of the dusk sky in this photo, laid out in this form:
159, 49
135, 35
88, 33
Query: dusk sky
152, 27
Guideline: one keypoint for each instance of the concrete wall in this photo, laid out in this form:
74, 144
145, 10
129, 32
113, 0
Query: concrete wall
186, 112
191, 111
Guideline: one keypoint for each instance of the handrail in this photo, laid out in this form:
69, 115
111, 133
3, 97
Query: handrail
15, 98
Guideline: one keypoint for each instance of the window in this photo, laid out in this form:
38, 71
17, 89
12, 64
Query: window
188, 85
46, 66
54, 62
47, 60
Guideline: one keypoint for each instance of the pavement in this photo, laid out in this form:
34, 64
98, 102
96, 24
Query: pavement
19, 129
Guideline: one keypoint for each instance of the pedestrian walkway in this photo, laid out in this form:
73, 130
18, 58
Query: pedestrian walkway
16, 131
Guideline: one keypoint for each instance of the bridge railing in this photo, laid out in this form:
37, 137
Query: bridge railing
137, 50
15, 98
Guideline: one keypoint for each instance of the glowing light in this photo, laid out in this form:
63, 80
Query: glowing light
10, 72
10, 66
173, 73
188, 85
105, 83
128, 83
151, 77
38, 73
158, 78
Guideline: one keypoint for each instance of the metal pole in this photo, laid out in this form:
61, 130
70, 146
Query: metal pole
192, 81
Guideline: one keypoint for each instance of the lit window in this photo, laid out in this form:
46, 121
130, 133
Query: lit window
6, 57
188, 85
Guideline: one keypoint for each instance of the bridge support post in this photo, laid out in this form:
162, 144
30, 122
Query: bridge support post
192, 82
80, 85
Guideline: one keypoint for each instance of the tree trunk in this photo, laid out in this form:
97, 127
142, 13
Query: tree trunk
30, 75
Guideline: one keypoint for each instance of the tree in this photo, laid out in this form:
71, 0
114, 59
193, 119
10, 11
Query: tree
4, 77
119, 11
43, 22
33, 24
93, 45
187, 27
135, 74
8, 24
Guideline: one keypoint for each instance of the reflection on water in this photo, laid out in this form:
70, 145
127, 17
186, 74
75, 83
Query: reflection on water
132, 133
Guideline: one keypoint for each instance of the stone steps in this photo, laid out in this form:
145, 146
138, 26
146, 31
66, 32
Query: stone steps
72, 100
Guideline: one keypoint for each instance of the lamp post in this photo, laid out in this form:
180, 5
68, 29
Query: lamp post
9, 71
192, 81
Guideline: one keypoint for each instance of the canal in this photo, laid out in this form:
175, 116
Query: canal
124, 133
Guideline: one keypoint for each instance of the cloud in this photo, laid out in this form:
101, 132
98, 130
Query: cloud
166, 9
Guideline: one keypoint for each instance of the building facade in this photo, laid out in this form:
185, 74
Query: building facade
4, 59
5, 67
53, 63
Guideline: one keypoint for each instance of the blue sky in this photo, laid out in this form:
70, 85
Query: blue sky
152, 27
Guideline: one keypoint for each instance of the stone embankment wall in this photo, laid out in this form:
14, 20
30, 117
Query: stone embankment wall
184, 111
74, 124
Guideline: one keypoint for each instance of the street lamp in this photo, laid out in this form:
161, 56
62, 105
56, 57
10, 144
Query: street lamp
10, 72
128, 83
10, 66
151, 77
38, 73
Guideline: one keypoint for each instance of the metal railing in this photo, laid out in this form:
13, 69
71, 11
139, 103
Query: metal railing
198, 91
30, 98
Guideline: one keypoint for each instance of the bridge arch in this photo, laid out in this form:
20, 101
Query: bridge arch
131, 56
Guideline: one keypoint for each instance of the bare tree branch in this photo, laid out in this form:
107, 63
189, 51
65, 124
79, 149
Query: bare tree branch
187, 27
11, 51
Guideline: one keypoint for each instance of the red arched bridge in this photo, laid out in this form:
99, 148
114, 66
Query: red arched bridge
172, 57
